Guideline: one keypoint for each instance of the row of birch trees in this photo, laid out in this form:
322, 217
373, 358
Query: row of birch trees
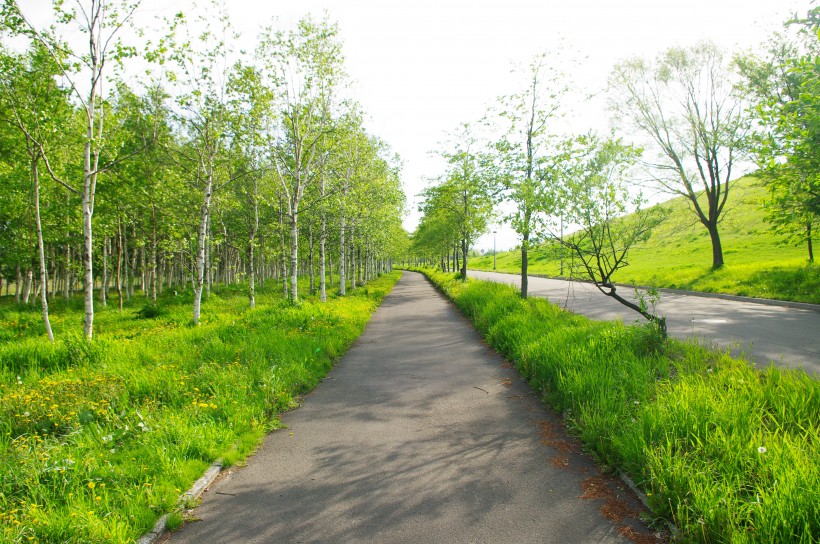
211, 167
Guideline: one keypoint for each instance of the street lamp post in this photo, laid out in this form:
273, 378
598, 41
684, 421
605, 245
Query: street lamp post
494, 250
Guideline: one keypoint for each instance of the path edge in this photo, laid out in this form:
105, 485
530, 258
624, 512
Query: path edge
194, 492
703, 294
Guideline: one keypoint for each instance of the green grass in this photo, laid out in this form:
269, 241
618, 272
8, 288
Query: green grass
98, 439
726, 452
679, 254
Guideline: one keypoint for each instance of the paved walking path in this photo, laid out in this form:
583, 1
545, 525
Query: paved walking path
420, 434
789, 337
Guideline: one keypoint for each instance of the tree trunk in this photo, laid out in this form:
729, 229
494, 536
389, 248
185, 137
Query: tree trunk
89, 186
464, 259
104, 286
262, 263
342, 256
362, 264
207, 264
143, 272
119, 262
126, 274
660, 321
27, 283
251, 244
808, 242
294, 253
35, 174
311, 272
54, 269
131, 272
107, 246
353, 263
322, 241
18, 287
199, 278
284, 271
525, 242
251, 275
330, 267
717, 249
154, 264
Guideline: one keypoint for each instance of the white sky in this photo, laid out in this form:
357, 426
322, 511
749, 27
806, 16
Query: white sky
422, 67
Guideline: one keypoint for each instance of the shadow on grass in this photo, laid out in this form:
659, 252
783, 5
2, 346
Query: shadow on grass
801, 284
798, 284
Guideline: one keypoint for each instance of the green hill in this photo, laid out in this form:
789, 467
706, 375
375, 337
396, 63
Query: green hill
679, 254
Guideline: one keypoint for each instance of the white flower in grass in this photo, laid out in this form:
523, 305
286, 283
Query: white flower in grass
761, 449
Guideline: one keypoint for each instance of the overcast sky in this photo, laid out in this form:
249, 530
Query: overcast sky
422, 67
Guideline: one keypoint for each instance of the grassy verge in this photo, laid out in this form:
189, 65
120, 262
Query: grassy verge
727, 452
97, 440
678, 255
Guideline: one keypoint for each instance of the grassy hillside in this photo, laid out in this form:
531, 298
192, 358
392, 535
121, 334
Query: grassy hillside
679, 254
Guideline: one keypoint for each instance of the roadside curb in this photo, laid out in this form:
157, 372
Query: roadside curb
193, 493
673, 530
738, 298
752, 300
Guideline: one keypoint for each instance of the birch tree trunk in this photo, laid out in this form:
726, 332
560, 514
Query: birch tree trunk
353, 256
322, 241
67, 271
284, 253
342, 252
90, 162
91, 159
35, 175
208, 256
106, 283
311, 271
103, 287
27, 285
294, 253
133, 268
18, 287
251, 243
199, 277
154, 267
126, 276
119, 263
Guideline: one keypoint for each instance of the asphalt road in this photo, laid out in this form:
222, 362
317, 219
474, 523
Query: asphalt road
419, 434
788, 337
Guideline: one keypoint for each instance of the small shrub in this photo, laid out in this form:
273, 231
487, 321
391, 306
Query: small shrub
150, 311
